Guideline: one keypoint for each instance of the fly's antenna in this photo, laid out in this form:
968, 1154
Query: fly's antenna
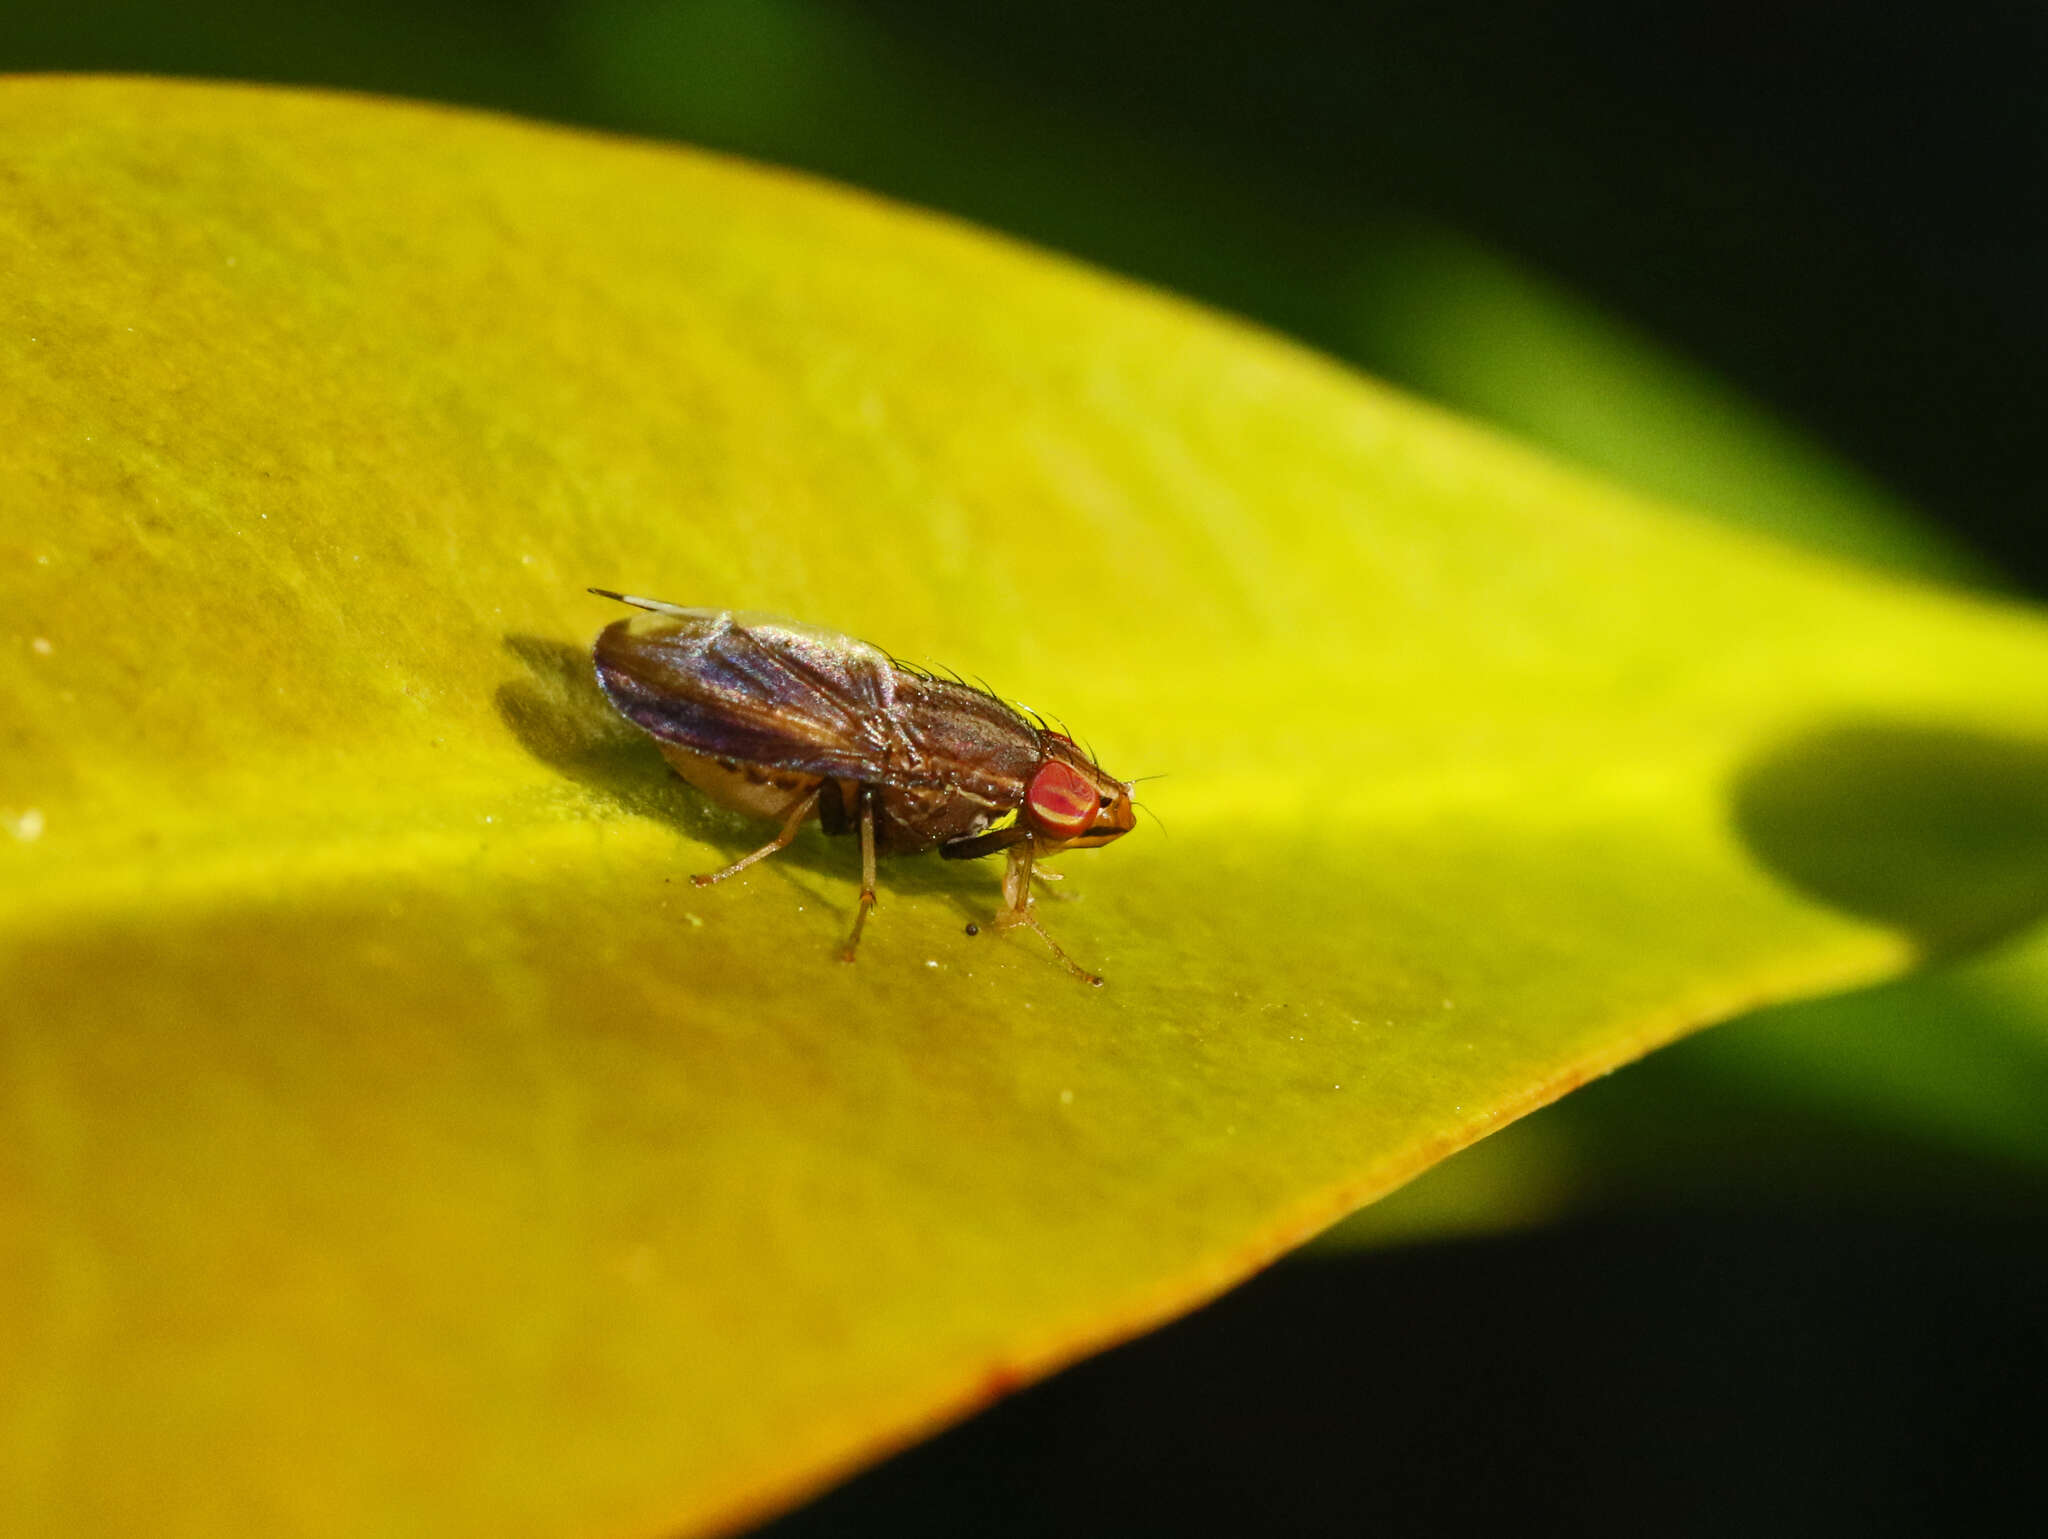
1140, 805
655, 605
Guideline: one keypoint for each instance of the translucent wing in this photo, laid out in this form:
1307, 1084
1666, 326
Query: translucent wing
762, 691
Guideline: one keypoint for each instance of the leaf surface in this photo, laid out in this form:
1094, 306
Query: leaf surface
1924, 1091
393, 1142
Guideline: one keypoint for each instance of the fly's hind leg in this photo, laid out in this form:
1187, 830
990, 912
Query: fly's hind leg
791, 823
867, 871
1016, 909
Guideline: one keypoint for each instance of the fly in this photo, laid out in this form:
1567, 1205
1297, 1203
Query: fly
787, 723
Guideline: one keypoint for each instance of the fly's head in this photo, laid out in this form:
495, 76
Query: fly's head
1071, 802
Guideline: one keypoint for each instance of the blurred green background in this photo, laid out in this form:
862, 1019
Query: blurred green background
1782, 263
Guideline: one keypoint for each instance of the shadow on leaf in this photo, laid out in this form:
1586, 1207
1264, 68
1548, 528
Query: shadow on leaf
562, 718
1941, 832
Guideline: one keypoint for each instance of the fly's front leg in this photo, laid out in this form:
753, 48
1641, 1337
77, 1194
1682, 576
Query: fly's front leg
781, 841
1016, 886
1017, 908
1040, 874
867, 870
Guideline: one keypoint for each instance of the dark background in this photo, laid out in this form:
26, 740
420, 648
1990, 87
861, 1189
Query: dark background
1820, 221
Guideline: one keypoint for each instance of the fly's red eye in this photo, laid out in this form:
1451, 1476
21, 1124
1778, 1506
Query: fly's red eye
1061, 801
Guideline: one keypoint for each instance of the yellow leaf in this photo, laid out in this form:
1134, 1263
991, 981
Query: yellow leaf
392, 1141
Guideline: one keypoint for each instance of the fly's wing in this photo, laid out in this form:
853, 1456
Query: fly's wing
757, 690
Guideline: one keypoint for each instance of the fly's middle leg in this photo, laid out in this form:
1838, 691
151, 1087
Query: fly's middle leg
793, 821
867, 870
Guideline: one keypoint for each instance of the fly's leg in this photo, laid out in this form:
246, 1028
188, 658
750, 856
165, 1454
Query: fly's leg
1016, 886
781, 841
867, 870
1016, 909
1049, 877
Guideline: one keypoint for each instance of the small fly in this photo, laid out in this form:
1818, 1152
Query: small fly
786, 722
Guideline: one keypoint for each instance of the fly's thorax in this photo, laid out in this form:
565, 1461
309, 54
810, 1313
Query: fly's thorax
911, 819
